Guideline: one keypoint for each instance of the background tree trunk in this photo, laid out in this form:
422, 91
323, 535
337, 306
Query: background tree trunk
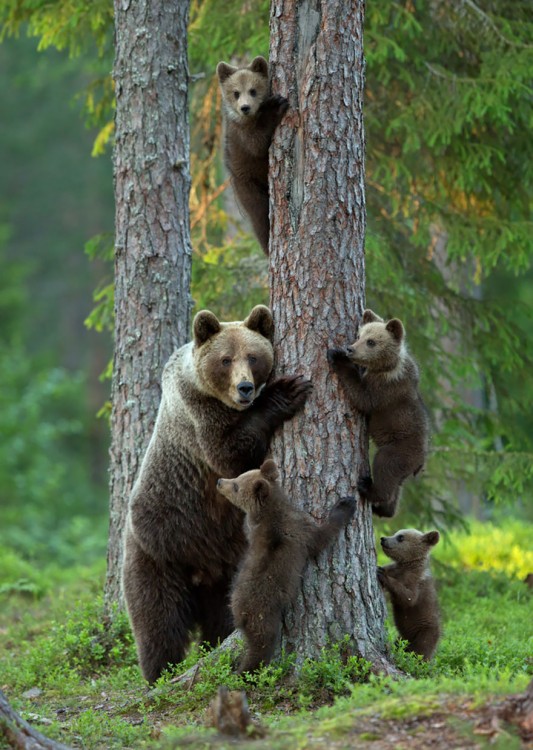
317, 295
152, 250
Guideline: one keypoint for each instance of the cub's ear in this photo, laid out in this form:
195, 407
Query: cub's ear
261, 490
260, 320
369, 316
205, 325
431, 538
225, 71
269, 470
395, 328
259, 65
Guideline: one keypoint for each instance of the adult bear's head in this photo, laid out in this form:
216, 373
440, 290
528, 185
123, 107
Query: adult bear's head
233, 360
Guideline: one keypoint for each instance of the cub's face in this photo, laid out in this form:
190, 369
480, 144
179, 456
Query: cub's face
252, 490
244, 89
409, 544
379, 345
233, 360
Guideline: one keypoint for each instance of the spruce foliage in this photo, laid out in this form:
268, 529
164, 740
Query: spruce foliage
448, 115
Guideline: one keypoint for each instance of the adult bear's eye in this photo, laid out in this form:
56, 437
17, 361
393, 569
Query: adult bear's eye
370, 342
252, 360
226, 361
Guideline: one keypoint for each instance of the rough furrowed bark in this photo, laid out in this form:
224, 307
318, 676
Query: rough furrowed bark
317, 271
152, 246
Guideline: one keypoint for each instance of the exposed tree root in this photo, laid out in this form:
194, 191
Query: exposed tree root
19, 734
233, 643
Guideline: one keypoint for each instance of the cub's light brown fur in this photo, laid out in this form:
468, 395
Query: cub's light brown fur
251, 115
381, 380
183, 539
281, 539
412, 589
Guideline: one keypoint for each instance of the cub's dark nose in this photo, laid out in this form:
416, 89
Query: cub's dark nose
349, 349
218, 483
245, 109
245, 388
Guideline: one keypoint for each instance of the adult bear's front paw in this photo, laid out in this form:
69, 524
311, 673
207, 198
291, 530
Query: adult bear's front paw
289, 394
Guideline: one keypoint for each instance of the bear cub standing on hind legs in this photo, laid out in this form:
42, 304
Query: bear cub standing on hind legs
381, 380
412, 589
251, 115
281, 539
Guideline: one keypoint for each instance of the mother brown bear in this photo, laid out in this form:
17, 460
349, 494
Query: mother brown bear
184, 540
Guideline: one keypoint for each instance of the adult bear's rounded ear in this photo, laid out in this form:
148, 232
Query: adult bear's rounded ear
224, 71
431, 538
369, 316
269, 470
259, 65
205, 325
261, 490
395, 327
260, 320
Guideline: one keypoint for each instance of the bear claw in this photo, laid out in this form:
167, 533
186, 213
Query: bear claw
336, 354
289, 393
345, 508
364, 485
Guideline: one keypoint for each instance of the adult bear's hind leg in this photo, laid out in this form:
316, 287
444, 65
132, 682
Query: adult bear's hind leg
213, 613
159, 608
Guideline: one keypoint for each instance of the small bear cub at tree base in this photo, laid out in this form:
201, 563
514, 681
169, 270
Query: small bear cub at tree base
281, 539
381, 380
412, 589
251, 115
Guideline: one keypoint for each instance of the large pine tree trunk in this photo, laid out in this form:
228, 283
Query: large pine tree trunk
152, 246
317, 295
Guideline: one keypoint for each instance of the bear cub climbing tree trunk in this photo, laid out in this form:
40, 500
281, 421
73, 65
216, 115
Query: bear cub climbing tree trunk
317, 268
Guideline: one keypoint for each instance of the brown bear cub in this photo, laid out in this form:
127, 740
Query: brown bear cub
251, 115
184, 541
412, 589
381, 380
281, 539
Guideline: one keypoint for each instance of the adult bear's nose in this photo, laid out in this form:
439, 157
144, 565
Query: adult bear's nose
245, 388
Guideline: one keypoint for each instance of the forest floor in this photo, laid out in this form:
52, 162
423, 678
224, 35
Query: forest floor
75, 678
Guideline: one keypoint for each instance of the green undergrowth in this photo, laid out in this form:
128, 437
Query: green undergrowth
86, 689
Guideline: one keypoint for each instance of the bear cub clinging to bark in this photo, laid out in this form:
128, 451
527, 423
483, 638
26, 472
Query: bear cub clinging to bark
281, 539
251, 115
184, 540
381, 380
412, 589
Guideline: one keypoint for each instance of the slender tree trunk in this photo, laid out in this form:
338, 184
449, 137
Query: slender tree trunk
152, 251
317, 269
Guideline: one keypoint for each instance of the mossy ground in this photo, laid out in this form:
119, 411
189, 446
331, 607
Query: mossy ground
89, 692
